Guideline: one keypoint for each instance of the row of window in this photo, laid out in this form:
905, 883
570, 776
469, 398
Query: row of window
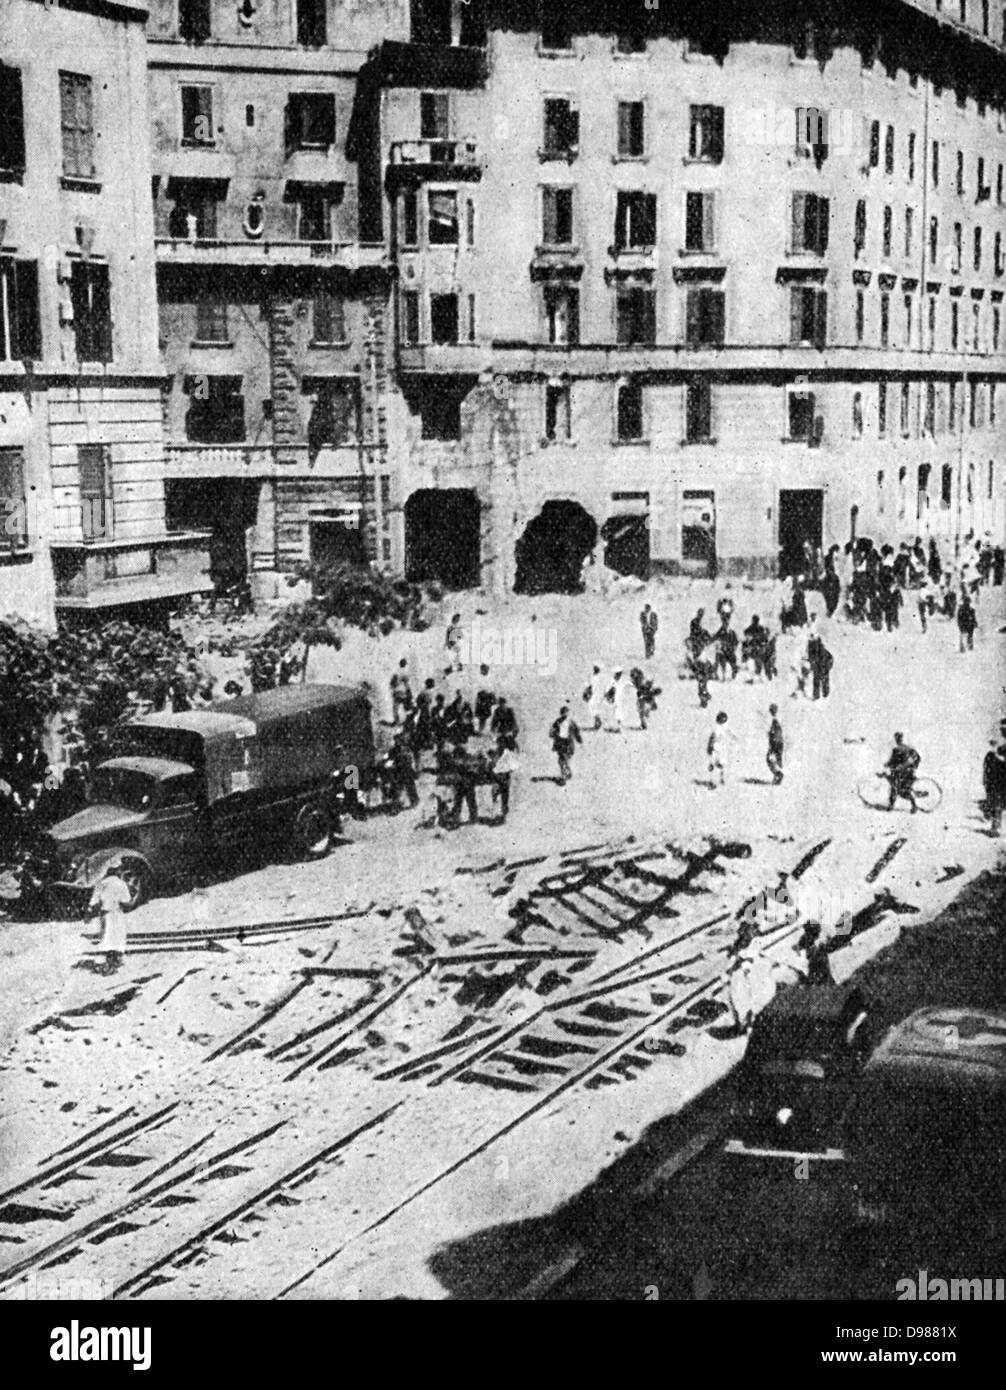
195, 20
216, 410
954, 252
561, 129
983, 168
940, 408
320, 211
308, 118
969, 330
328, 319
89, 309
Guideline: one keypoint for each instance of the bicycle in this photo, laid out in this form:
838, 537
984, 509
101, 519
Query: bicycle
874, 791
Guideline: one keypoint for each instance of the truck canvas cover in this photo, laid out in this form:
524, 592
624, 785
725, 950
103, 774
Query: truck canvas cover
279, 738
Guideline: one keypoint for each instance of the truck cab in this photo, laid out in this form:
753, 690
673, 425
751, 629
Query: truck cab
189, 786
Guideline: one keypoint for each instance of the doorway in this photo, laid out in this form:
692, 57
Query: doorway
443, 537
698, 534
801, 523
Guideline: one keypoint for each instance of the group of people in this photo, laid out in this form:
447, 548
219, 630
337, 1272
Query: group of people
446, 723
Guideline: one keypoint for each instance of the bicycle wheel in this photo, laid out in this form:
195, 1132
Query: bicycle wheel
874, 792
928, 793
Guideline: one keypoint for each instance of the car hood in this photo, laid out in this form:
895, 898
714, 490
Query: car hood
92, 822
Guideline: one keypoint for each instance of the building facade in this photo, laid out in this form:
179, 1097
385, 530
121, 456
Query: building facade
688, 286
273, 298
81, 439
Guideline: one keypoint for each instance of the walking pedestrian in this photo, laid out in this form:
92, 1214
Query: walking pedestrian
774, 757
967, 622
453, 640
401, 692
594, 697
649, 622
722, 741
821, 662
505, 764
565, 735
504, 721
616, 697
110, 897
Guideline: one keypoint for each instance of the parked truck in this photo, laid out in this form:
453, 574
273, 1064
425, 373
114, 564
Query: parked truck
189, 788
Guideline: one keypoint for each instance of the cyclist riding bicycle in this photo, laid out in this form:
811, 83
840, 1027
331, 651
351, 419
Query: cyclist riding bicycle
900, 770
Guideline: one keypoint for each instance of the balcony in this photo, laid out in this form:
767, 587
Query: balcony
107, 574
195, 461
349, 255
455, 160
456, 358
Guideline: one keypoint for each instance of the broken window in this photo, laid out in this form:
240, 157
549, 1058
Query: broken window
635, 221
698, 412
631, 129
11, 121
92, 313
630, 41
808, 316
705, 317
885, 320
443, 218
94, 464
194, 24
314, 214
557, 216
922, 490
929, 422
329, 321
13, 502
629, 411
444, 318
216, 413
76, 104
812, 132
888, 232
889, 150
909, 231
434, 116
906, 403
410, 316
311, 23
194, 214
934, 239
310, 121
882, 408
636, 314
211, 318
800, 406
874, 144
410, 217
562, 312
557, 411
947, 485
977, 260
810, 216
197, 115
700, 221
562, 127
860, 316
332, 422
20, 324
706, 134
859, 235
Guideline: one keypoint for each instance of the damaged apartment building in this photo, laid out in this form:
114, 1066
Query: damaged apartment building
273, 305
84, 533
685, 287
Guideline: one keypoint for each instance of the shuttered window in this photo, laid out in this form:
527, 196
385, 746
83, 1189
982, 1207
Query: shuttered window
700, 221
810, 221
11, 121
329, 317
20, 326
706, 134
211, 318
698, 412
76, 101
92, 313
630, 129
194, 20
562, 127
557, 216
636, 314
197, 115
13, 504
310, 121
635, 221
808, 316
94, 462
705, 313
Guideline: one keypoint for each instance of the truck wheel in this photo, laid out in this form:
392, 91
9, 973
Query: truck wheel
312, 833
136, 877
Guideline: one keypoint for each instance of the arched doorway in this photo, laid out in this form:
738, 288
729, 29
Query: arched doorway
551, 552
443, 537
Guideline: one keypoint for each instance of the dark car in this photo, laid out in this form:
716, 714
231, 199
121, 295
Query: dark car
926, 1132
806, 1052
